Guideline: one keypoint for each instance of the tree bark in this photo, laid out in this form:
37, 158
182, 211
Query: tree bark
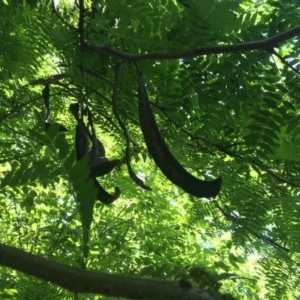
83, 281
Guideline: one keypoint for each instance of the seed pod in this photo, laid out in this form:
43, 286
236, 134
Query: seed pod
162, 156
103, 167
103, 195
81, 141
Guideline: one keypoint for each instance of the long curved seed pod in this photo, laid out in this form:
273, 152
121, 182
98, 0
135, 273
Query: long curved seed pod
162, 156
133, 176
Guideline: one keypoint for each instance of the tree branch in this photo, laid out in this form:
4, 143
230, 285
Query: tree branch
265, 44
83, 281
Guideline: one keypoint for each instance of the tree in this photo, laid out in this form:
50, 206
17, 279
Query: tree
221, 79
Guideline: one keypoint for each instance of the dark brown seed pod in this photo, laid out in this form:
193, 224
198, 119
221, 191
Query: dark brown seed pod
81, 149
104, 167
103, 195
162, 156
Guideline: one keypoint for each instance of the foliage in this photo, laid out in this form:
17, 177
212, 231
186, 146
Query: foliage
234, 114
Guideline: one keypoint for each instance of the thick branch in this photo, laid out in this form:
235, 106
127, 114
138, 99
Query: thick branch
266, 44
82, 281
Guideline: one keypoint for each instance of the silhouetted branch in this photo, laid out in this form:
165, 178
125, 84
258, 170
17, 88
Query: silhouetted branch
83, 281
266, 44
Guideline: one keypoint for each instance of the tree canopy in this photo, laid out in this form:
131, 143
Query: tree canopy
149, 149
